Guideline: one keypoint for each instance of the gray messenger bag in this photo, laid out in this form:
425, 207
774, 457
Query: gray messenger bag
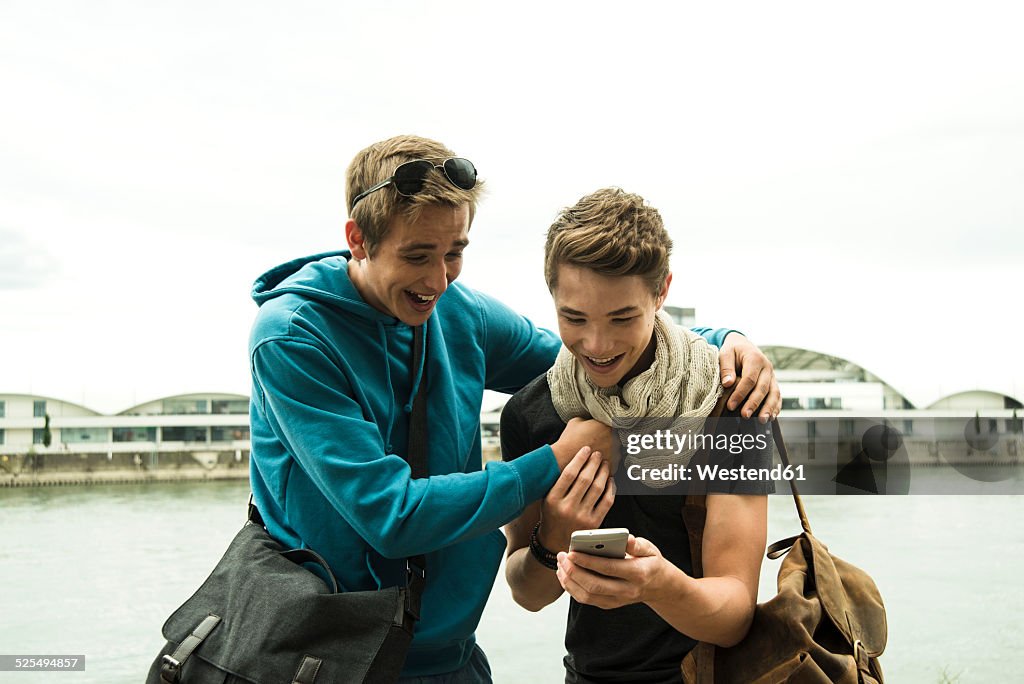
263, 617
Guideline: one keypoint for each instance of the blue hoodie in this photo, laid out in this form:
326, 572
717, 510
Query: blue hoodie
332, 390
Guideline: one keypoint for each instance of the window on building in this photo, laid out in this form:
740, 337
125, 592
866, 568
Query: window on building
1015, 425
184, 407
39, 408
138, 434
1, 434
240, 406
183, 434
826, 403
791, 404
3, 408
229, 434
37, 435
84, 435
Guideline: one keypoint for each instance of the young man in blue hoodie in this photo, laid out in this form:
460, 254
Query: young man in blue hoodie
334, 382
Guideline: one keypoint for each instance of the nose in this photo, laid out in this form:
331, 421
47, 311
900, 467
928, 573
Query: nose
438, 278
597, 343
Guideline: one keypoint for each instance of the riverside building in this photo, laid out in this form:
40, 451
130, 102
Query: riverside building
206, 436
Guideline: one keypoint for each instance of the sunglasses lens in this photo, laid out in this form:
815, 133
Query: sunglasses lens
460, 172
409, 176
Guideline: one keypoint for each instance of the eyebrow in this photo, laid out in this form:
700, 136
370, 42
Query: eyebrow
617, 312
430, 245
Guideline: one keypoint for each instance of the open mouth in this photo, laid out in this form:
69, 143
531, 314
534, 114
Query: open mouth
602, 364
420, 302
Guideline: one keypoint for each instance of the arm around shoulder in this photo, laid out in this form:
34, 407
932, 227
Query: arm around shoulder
516, 351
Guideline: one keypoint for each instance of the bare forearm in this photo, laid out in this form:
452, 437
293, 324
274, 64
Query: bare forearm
533, 585
717, 610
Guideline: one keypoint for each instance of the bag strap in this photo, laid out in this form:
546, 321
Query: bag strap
696, 504
784, 456
416, 566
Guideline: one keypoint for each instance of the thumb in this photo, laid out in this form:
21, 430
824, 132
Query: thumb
727, 365
638, 547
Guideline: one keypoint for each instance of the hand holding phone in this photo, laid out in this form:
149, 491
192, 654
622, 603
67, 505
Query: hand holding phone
608, 543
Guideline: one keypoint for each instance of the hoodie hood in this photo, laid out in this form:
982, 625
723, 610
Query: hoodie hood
323, 277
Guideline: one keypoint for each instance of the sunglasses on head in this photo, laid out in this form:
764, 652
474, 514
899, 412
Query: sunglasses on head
408, 177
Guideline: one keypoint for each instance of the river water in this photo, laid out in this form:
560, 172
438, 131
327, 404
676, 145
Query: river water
96, 570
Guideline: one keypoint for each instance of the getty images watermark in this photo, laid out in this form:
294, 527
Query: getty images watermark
835, 455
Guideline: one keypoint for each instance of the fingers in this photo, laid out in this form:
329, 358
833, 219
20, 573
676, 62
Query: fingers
746, 383
592, 586
598, 487
565, 481
585, 480
607, 567
757, 389
773, 404
578, 478
605, 503
765, 398
762, 385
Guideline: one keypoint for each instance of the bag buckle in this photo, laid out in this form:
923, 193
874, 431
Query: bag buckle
170, 669
416, 578
860, 656
412, 570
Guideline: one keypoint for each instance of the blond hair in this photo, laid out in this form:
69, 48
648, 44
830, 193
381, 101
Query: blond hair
611, 232
378, 162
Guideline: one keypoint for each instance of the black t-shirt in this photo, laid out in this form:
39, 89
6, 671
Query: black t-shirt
631, 643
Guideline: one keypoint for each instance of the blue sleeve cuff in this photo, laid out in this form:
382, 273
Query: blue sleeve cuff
537, 471
715, 336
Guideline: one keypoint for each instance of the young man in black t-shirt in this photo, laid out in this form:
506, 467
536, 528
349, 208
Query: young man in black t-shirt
606, 264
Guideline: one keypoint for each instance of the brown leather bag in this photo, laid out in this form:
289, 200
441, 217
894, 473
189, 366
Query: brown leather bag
826, 624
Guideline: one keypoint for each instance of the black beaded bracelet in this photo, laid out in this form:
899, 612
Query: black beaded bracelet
543, 556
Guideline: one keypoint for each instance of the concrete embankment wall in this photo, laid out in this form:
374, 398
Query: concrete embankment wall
35, 470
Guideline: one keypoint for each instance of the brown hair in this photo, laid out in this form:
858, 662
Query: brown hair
378, 162
611, 232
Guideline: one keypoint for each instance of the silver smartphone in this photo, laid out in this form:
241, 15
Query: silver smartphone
609, 543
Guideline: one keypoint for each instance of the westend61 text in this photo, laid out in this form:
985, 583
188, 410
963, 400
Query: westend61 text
666, 440
715, 473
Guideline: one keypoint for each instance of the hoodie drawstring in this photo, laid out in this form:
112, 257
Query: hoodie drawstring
420, 363
387, 379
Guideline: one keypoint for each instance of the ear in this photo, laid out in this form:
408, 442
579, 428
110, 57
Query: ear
664, 291
356, 240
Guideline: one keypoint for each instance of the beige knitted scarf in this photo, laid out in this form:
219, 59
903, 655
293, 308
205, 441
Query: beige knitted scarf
682, 384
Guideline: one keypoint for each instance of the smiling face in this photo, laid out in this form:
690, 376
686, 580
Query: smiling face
607, 322
413, 264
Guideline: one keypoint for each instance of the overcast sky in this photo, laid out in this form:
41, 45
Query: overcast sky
842, 177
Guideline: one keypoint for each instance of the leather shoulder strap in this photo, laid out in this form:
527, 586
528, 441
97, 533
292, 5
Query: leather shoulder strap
416, 566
